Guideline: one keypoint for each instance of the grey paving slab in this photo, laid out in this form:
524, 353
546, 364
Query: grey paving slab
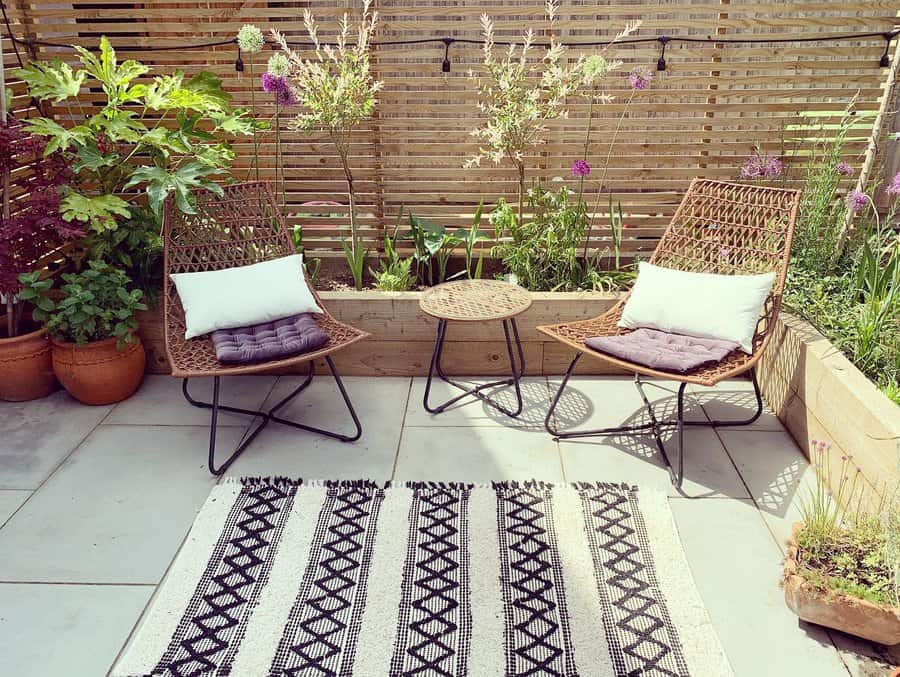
10, 501
283, 450
472, 411
777, 473
636, 459
71, 630
37, 435
116, 511
160, 401
734, 400
477, 454
737, 567
604, 402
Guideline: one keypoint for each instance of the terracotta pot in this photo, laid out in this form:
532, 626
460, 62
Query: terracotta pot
98, 372
875, 622
26, 371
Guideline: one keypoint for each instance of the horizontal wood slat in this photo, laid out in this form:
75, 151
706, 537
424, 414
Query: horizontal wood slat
701, 117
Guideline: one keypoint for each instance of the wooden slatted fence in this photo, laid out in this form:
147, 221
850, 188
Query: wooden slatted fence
701, 117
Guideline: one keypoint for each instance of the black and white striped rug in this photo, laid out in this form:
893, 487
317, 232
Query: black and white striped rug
282, 577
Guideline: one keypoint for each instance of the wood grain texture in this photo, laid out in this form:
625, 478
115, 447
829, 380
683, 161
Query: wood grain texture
701, 117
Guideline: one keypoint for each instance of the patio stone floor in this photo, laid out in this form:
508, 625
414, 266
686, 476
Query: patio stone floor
96, 501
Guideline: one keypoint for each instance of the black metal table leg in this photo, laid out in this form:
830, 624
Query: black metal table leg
517, 371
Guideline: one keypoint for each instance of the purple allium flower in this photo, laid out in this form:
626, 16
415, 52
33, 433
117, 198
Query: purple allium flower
773, 168
857, 200
274, 83
844, 169
894, 188
640, 78
761, 166
580, 168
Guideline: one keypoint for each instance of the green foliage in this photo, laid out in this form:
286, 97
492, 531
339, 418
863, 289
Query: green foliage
96, 304
136, 248
851, 293
117, 149
356, 261
470, 241
433, 245
542, 252
395, 272
100, 211
336, 93
847, 543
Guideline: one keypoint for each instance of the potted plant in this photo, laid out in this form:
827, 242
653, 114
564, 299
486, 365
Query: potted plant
96, 353
149, 137
843, 563
26, 235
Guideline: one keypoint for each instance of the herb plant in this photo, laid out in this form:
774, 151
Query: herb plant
96, 304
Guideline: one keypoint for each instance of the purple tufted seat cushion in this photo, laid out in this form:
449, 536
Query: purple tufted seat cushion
663, 351
268, 341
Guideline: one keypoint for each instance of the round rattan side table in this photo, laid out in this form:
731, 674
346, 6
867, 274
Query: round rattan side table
477, 301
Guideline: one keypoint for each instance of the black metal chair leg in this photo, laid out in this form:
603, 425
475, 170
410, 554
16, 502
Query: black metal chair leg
676, 471
267, 416
321, 431
213, 431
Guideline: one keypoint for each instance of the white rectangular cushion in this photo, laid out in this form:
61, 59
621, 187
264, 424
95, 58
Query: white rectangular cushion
243, 296
707, 305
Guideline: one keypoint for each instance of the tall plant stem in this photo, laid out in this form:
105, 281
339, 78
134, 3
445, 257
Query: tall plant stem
279, 163
11, 328
253, 108
520, 167
612, 143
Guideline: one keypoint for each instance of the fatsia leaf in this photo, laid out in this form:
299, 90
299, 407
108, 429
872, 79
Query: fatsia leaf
182, 181
237, 122
59, 138
210, 86
88, 156
159, 92
99, 211
54, 80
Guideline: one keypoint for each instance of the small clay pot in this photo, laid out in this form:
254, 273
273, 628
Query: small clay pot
98, 372
26, 370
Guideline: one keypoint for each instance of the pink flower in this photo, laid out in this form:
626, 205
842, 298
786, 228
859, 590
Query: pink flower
894, 188
856, 200
280, 87
580, 168
844, 169
773, 169
640, 78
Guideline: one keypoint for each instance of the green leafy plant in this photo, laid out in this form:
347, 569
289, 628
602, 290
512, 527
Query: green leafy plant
395, 272
471, 239
545, 255
336, 92
118, 147
847, 543
356, 261
95, 304
433, 246
136, 248
518, 95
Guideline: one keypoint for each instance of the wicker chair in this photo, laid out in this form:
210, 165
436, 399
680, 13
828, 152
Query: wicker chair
242, 227
723, 228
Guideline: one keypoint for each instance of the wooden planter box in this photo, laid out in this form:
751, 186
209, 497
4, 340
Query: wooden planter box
817, 393
858, 617
403, 336
809, 384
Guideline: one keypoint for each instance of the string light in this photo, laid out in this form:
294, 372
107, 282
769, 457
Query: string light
448, 41
661, 61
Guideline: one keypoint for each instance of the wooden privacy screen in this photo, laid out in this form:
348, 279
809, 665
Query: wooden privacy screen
701, 116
